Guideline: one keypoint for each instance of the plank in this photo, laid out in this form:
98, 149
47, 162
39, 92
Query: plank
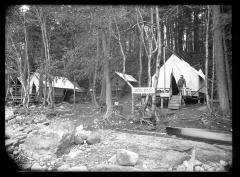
212, 136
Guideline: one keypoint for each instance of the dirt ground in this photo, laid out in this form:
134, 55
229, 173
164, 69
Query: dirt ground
157, 153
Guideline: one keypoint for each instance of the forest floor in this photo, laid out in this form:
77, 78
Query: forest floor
164, 153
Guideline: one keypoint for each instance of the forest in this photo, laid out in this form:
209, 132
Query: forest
90, 44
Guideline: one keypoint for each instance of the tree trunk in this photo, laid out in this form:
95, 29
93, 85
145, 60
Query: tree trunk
229, 80
219, 61
106, 76
140, 64
95, 76
206, 62
196, 30
27, 69
74, 92
157, 66
213, 76
40, 90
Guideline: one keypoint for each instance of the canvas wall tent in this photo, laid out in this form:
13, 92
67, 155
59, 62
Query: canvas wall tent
176, 67
61, 85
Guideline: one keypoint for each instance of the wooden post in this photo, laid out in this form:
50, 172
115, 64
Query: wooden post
132, 103
164, 69
161, 103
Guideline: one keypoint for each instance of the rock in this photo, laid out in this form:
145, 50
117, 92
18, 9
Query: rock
181, 168
113, 159
64, 167
74, 154
103, 167
9, 114
79, 128
211, 169
198, 168
174, 158
125, 157
54, 139
79, 139
93, 138
38, 167
79, 168
9, 142
223, 163
26, 166
15, 152
220, 169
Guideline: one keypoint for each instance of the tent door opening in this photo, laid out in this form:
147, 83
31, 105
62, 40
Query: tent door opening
174, 86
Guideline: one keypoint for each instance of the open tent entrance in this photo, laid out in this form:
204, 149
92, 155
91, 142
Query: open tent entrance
174, 86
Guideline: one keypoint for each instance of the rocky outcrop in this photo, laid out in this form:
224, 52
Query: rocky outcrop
50, 140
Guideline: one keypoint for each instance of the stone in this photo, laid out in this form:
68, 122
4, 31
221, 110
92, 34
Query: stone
26, 166
10, 142
198, 168
223, 163
113, 159
15, 152
181, 168
174, 158
220, 169
74, 154
9, 113
79, 168
38, 167
79, 139
79, 128
103, 167
126, 157
93, 138
54, 139
211, 169
64, 167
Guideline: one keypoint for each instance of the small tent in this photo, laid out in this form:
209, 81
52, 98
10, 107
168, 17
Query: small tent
175, 67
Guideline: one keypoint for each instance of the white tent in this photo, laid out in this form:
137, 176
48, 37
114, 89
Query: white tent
58, 82
176, 66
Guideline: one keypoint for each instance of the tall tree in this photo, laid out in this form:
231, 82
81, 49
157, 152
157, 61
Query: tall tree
219, 61
206, 62
155, 82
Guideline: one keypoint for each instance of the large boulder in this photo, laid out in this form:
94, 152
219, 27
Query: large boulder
81, 135
174, 158
94, 138
126, 158
54, 139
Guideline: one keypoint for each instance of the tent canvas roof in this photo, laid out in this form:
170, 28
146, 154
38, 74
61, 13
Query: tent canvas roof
58, 82
128, 77
176, 66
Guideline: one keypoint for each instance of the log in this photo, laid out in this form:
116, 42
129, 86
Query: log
206, 135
